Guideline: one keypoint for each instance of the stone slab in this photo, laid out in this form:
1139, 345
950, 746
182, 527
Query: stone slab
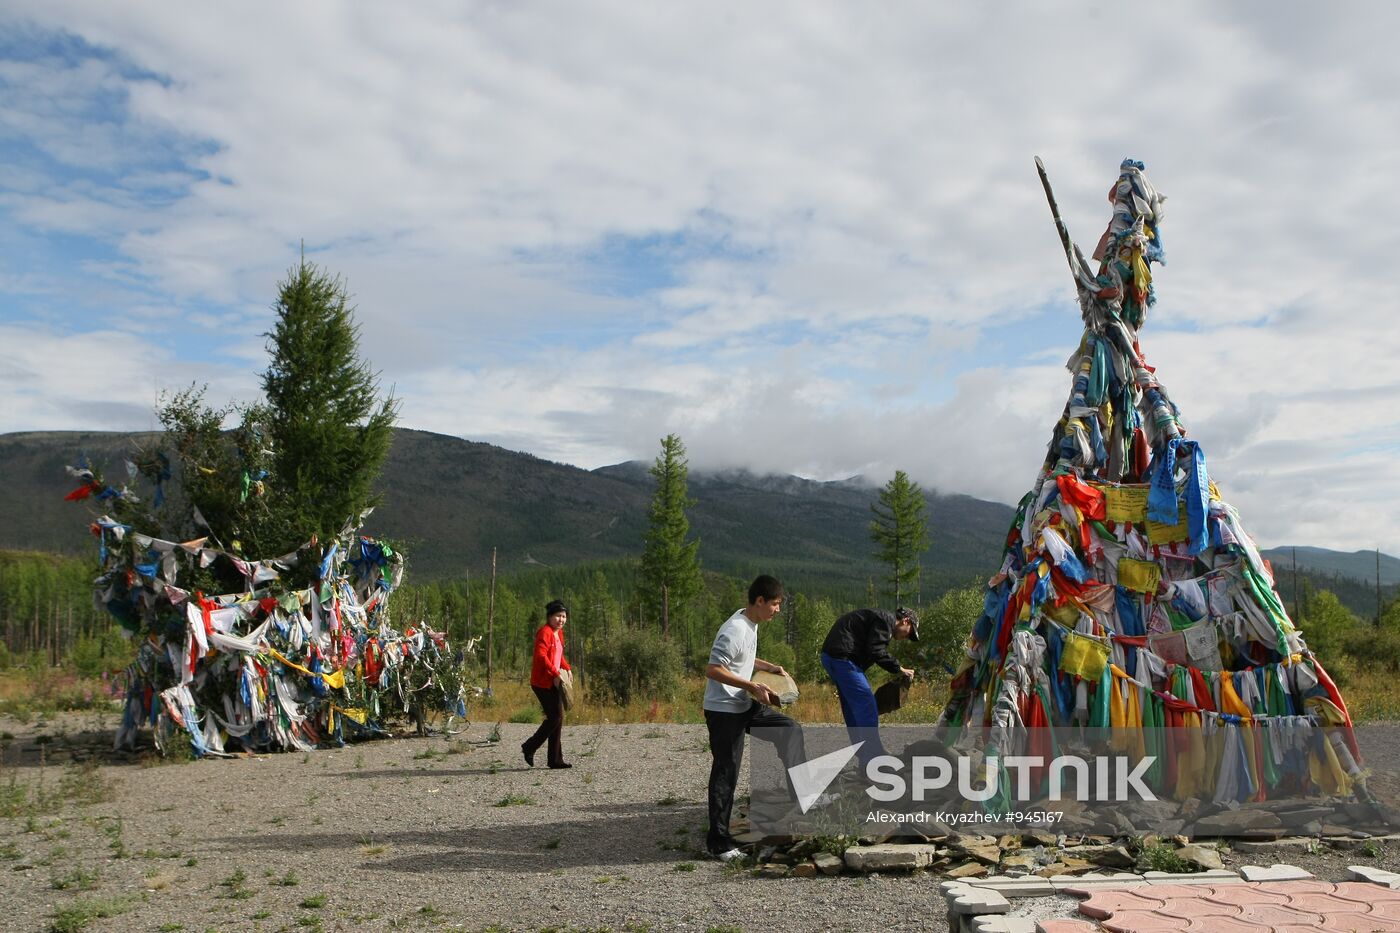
1374, 875
1275, 873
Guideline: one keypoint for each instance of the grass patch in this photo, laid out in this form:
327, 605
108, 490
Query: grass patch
683, 866
79, 914
314, 902
79, 879
528, 714
1162, 857
236, 886
289, 880
515, 800
669, 800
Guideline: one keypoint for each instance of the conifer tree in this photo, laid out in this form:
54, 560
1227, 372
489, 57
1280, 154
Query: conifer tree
328, 428
900, 533
670, 564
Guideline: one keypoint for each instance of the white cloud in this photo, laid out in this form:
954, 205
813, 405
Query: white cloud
782, 230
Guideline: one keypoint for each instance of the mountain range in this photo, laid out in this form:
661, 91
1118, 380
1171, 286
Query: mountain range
450, 501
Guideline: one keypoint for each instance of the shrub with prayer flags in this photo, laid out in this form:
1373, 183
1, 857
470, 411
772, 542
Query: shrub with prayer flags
271, 666
1130, 595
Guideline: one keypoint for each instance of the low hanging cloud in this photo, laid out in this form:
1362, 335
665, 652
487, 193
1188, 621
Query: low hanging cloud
808, 237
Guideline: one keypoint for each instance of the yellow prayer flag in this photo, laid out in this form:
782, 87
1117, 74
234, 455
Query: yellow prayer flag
1125, 503
1140, 575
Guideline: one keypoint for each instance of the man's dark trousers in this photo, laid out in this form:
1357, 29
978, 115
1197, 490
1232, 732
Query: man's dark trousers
727, 754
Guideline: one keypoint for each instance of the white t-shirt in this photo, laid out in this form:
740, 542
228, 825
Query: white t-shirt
735, 648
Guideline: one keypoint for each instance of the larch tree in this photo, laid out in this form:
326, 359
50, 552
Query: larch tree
328, 429
900, 533
670, 564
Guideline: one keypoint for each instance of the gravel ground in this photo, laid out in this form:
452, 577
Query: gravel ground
405, 834
422, 834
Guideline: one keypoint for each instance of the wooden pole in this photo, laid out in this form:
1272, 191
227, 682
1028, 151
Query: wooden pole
1378, 587
491, 621
1297, 608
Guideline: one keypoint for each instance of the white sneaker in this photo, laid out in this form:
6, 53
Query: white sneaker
730, 855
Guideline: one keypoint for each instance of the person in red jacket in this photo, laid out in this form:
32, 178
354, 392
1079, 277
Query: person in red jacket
544, 680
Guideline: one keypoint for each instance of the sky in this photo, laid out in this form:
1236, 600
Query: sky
807, 237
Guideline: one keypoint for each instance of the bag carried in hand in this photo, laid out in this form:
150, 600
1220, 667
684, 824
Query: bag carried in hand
566, 689
891, 695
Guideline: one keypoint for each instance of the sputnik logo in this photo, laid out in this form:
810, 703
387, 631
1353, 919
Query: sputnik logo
811, 778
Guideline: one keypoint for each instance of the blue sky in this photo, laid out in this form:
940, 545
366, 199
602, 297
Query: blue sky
807, 237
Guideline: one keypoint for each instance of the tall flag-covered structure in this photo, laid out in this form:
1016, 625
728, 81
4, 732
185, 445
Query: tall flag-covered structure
1130, 597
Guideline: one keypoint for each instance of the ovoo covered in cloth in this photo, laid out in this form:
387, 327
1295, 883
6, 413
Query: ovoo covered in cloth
1130, 597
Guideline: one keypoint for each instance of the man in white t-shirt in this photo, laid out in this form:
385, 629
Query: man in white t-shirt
734, 704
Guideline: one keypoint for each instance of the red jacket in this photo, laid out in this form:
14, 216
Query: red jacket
549, 657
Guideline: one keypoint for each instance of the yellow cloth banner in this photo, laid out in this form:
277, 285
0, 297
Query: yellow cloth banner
334, 679
1083, 656
1158, 533
1125, 503
1140, 575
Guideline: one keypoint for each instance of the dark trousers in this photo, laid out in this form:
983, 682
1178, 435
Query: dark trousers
727, 754
552, 729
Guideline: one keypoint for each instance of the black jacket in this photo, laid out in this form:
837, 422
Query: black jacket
863, 637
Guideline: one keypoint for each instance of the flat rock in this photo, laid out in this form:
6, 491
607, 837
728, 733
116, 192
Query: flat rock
887, 857
1236, 822
773, 870
1109, 856
828, 864
968, 870
805, 870
1374, 875
1274, 873
1206, 857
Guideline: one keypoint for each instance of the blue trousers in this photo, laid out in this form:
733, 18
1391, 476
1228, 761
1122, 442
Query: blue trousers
857, 705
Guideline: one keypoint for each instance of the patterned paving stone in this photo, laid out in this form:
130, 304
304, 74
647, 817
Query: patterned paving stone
1269, 916
1066, 926
1104, 904
1359, 923
1242, 894
1223, 925
1141, 921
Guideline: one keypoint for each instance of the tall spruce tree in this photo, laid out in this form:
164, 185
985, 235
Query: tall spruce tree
900, 533
670, 564
328, 428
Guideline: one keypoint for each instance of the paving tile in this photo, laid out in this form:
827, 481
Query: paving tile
1214, 876
1364, 892
1245, 894
1141, 921
1270, 915
1359, 923
1104, 904
1301, 887
972, 901
1274, 873
996, 923
1322, 903
1190, 907
1176, 890
1388, 911
1223, 925
1066, 926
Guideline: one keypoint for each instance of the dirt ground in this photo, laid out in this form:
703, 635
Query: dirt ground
417, 834
411, 833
